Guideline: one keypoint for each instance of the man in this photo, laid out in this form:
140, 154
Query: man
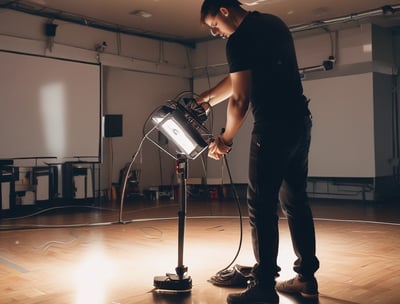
263, 72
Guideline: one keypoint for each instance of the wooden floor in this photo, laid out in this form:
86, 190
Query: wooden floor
85, 255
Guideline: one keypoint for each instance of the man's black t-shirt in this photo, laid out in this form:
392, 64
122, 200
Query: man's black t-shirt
264, 44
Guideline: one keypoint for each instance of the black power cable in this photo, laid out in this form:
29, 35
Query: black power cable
238, 275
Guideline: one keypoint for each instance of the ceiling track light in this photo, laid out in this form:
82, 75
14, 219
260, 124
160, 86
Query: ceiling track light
142, 13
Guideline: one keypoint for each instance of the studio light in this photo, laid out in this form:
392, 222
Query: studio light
183, 125
182, 122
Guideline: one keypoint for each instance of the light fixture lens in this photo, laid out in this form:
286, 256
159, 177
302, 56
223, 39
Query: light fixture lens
181, 138
181, 127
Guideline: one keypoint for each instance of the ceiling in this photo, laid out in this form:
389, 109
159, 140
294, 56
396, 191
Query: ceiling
178, 20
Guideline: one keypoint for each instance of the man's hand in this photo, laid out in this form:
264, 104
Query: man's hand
217, 149
205, 104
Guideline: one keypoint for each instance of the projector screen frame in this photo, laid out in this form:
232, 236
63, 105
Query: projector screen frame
91, 104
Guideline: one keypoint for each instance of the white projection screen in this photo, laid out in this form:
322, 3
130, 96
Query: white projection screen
342, 142
49, 108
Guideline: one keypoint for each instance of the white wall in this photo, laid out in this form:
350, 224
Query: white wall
139, 75
349, 121
136, 95
142, 73
343, 126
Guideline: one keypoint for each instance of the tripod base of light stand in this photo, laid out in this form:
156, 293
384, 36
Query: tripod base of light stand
173, 283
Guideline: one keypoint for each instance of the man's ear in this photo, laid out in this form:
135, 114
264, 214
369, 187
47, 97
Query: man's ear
224, 11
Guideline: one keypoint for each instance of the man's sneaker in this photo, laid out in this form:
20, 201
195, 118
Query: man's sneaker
254, 294
307, 288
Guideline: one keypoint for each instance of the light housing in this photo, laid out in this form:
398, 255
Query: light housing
182, 123
182, 127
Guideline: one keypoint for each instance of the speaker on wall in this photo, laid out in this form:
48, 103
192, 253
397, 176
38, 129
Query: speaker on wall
113, 125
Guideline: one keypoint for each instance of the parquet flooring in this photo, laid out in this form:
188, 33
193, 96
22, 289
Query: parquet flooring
115, 263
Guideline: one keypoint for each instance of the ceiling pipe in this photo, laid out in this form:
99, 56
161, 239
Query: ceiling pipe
328, 64
43, 11
386, 10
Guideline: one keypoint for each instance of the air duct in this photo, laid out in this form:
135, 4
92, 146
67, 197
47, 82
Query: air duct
386, 10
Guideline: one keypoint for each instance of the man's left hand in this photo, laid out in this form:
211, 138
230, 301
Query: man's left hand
217, 149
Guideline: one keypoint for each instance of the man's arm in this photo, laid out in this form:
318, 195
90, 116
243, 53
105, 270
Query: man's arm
238, 105
217, 94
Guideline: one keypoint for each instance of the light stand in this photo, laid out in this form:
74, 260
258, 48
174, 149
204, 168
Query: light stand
179, 282
183, 124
